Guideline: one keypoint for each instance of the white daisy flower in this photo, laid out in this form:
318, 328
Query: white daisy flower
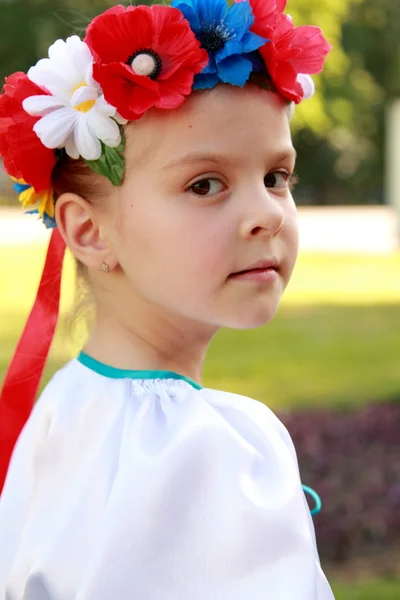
76, 117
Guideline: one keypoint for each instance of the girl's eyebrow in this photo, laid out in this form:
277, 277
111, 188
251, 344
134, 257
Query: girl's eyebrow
196, 157
289, 153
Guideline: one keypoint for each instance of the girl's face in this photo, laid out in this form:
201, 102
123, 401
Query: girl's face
206, 195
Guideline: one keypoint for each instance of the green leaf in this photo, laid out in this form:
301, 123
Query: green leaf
111, 163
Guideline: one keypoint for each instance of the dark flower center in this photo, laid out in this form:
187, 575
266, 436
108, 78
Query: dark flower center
214, 37
157, 61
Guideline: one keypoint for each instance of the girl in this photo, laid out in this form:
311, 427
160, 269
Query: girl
159, 150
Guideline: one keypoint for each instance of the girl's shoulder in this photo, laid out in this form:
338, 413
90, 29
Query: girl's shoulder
81, 404
78, 387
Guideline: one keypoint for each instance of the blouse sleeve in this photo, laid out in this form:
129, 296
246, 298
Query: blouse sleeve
154, 490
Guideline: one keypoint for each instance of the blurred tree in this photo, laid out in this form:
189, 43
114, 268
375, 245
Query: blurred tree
339, 133
28, 27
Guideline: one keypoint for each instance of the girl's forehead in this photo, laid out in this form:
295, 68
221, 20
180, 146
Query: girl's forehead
227, 121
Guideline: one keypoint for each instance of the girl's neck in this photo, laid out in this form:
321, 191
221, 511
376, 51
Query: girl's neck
160, 343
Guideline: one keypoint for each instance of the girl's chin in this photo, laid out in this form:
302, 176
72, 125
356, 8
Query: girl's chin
251, 319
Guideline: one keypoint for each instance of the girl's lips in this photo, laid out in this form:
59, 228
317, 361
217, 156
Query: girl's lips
261, 275
262, 271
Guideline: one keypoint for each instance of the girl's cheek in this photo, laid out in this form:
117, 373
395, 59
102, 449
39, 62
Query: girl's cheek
293, 233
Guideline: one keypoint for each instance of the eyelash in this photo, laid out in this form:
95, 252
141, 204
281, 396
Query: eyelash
290, 178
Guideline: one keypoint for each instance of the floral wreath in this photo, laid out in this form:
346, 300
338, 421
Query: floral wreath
132, 59
75, 102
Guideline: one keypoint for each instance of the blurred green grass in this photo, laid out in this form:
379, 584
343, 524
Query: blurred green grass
368, 590
334, 342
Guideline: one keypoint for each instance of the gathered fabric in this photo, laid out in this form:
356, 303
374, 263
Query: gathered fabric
150, 489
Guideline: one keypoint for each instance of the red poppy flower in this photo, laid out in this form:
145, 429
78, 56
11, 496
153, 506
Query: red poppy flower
291, 51
167, 48
23, 154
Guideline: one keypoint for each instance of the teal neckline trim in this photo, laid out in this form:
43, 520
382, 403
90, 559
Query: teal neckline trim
315, 497
114, 373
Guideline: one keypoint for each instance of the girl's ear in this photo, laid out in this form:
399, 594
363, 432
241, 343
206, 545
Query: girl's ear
80, 226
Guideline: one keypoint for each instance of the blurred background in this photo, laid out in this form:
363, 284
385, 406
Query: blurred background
329, 363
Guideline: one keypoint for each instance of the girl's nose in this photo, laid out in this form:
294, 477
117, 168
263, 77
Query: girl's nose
264, 214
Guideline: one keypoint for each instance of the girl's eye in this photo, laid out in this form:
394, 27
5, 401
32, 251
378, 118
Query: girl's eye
207, 187
279, 179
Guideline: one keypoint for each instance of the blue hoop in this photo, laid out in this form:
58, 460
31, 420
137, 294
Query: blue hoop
315, 497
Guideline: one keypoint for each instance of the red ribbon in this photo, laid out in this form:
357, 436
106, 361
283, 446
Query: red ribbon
25, 371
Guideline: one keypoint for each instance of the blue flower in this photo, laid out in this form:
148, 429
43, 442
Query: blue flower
48, 221
20, 187
225, 33
44, 202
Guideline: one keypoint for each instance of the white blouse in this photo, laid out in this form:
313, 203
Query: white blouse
129, 485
